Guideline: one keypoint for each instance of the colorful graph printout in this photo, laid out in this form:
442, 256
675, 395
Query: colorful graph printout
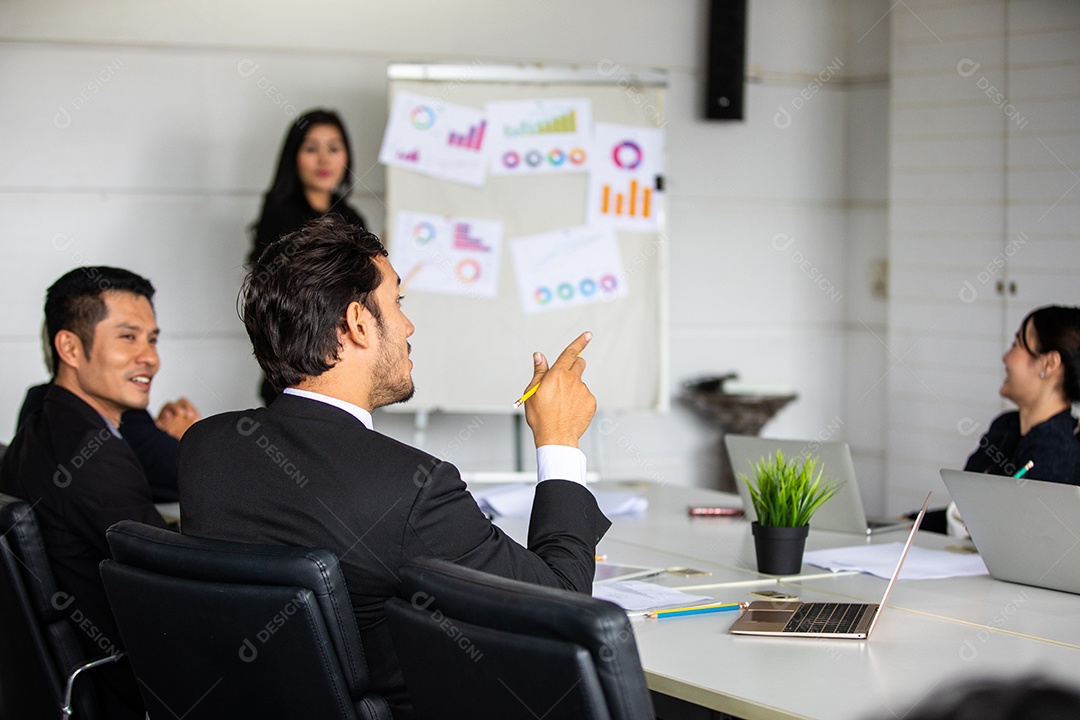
435, 137
449, 255
623, 188
568, 268
539, 136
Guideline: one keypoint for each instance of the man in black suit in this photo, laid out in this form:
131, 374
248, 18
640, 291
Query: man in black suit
69, 461
156, 443
323, 311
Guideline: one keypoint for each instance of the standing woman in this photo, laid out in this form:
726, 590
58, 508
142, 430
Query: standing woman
311, 181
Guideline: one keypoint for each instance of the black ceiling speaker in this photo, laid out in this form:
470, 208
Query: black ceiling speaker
725, 66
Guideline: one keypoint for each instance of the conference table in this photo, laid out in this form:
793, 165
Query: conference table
931, 635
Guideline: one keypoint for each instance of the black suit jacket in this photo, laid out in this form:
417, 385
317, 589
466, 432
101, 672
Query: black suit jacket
80, 478
155, 448
305, 473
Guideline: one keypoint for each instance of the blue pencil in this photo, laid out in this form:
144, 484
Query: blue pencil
699, 610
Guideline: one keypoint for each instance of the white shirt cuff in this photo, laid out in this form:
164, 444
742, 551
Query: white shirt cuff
560, 462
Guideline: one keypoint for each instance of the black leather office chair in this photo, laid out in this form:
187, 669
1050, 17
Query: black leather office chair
474, 645
40, 653
219, 629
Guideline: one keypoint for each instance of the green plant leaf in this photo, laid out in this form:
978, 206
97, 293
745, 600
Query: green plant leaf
786, 493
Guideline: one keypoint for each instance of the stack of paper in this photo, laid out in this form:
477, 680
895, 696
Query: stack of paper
636, 595
517, 500
880, 560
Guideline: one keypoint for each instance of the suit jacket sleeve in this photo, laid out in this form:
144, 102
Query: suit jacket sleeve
566, 524
109, 488
157, 451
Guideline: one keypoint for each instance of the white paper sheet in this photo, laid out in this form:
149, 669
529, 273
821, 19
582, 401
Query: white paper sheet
437, 138
445, 254
880, 560
506, 500
517, 500
568, 268
539, 136
624, 179
637, 595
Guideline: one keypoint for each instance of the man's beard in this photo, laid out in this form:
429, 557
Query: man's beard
388, 387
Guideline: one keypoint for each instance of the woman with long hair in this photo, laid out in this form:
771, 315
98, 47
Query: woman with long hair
312, 180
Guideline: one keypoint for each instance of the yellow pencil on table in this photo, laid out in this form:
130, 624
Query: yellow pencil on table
695, 610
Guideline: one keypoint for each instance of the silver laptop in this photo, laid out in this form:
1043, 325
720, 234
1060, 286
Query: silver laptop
843, 512
821, 619
1027, 531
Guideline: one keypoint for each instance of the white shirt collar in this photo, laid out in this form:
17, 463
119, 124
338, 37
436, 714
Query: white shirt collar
355, 410
115, 430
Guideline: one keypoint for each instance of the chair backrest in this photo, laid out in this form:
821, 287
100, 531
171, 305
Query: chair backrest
39, 647
476, 645
219, 629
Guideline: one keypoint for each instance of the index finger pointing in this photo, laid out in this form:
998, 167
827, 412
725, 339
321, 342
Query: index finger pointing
573, 350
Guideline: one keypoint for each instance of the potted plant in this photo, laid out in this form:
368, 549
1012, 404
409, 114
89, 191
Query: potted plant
785, 494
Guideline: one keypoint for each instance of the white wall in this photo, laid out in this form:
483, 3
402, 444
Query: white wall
984, 187
866, 192
142, 136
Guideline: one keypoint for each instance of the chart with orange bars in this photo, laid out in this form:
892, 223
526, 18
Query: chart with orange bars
635, 201
626, 178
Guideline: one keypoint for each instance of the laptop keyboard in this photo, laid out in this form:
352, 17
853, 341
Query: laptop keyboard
826, 618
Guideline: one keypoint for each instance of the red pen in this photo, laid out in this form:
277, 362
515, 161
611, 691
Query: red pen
703, 511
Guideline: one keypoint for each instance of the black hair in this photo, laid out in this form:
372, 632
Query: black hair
1057, 329
286, 184
75, 302
1030, 698
294, 298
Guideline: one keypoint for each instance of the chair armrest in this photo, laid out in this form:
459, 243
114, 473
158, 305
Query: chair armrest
373, 707
66, 711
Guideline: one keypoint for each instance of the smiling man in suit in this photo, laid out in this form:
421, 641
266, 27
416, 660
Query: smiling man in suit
69, 461
323, 310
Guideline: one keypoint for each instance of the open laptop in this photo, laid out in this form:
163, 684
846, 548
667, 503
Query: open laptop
1027, 531
821, 619
843, 512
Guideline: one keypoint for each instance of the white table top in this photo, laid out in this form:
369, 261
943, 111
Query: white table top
931, 634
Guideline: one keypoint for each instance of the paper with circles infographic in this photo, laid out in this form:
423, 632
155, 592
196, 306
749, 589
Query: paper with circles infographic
568, 268
435, 137
449, 255
539, 136
624, 181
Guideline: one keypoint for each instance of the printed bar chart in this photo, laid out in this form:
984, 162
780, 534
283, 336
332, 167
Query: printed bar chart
564, 123
473, 140
614, 203
462, 240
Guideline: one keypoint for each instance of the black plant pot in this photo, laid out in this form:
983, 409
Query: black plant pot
779, 549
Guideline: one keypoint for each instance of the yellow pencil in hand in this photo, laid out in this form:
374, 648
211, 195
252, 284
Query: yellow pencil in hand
528, 394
